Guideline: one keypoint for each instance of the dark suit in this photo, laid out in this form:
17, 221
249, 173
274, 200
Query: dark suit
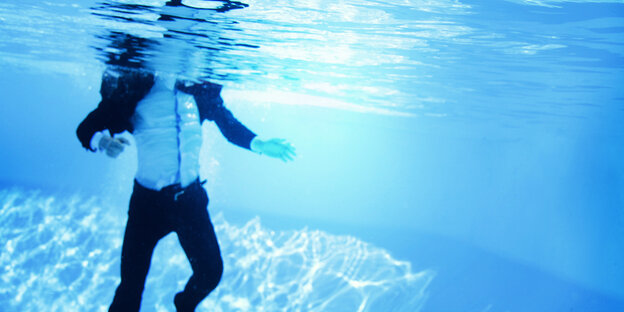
122, 89
154, 214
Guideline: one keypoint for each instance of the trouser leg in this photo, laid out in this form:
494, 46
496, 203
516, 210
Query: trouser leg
199, 241
142, 233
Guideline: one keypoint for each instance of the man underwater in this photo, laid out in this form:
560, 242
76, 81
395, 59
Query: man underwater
165, 116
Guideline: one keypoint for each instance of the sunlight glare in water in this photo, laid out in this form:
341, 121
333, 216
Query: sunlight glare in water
68, 249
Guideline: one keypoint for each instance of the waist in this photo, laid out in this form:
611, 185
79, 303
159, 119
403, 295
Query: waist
174, 190
167, 159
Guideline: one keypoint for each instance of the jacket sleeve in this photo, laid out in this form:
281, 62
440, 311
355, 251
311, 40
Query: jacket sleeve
98, 119
121, 90
211, 107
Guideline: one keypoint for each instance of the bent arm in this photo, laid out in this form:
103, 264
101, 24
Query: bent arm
121, 90
100, 118
94, 123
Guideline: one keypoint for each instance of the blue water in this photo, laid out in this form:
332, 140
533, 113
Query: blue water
452, 155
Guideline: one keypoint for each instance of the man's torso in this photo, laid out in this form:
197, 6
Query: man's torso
167, 131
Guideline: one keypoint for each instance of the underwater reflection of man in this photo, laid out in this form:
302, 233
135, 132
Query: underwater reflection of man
165, 115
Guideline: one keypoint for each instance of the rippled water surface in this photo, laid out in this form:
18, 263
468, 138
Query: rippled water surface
439, 58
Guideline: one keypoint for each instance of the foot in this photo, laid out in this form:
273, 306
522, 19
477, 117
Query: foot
180, 305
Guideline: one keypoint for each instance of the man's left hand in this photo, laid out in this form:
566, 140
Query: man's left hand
276, 148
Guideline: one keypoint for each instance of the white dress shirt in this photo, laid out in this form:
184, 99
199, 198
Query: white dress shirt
168, 135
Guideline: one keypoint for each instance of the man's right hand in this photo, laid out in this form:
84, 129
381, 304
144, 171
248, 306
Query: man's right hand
112, 146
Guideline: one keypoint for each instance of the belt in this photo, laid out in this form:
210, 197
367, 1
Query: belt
177, 190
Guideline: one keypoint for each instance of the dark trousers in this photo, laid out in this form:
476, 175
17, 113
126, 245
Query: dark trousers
154, 214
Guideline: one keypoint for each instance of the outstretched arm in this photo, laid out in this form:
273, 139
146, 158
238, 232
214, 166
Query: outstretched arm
210, 104
276, 148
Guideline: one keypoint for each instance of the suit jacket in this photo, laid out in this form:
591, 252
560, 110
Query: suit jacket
122, 89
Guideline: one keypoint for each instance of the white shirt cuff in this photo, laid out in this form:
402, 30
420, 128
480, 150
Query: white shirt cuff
253, 145
95, 140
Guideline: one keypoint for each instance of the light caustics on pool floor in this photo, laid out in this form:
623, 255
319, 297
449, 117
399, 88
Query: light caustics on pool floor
62, 254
